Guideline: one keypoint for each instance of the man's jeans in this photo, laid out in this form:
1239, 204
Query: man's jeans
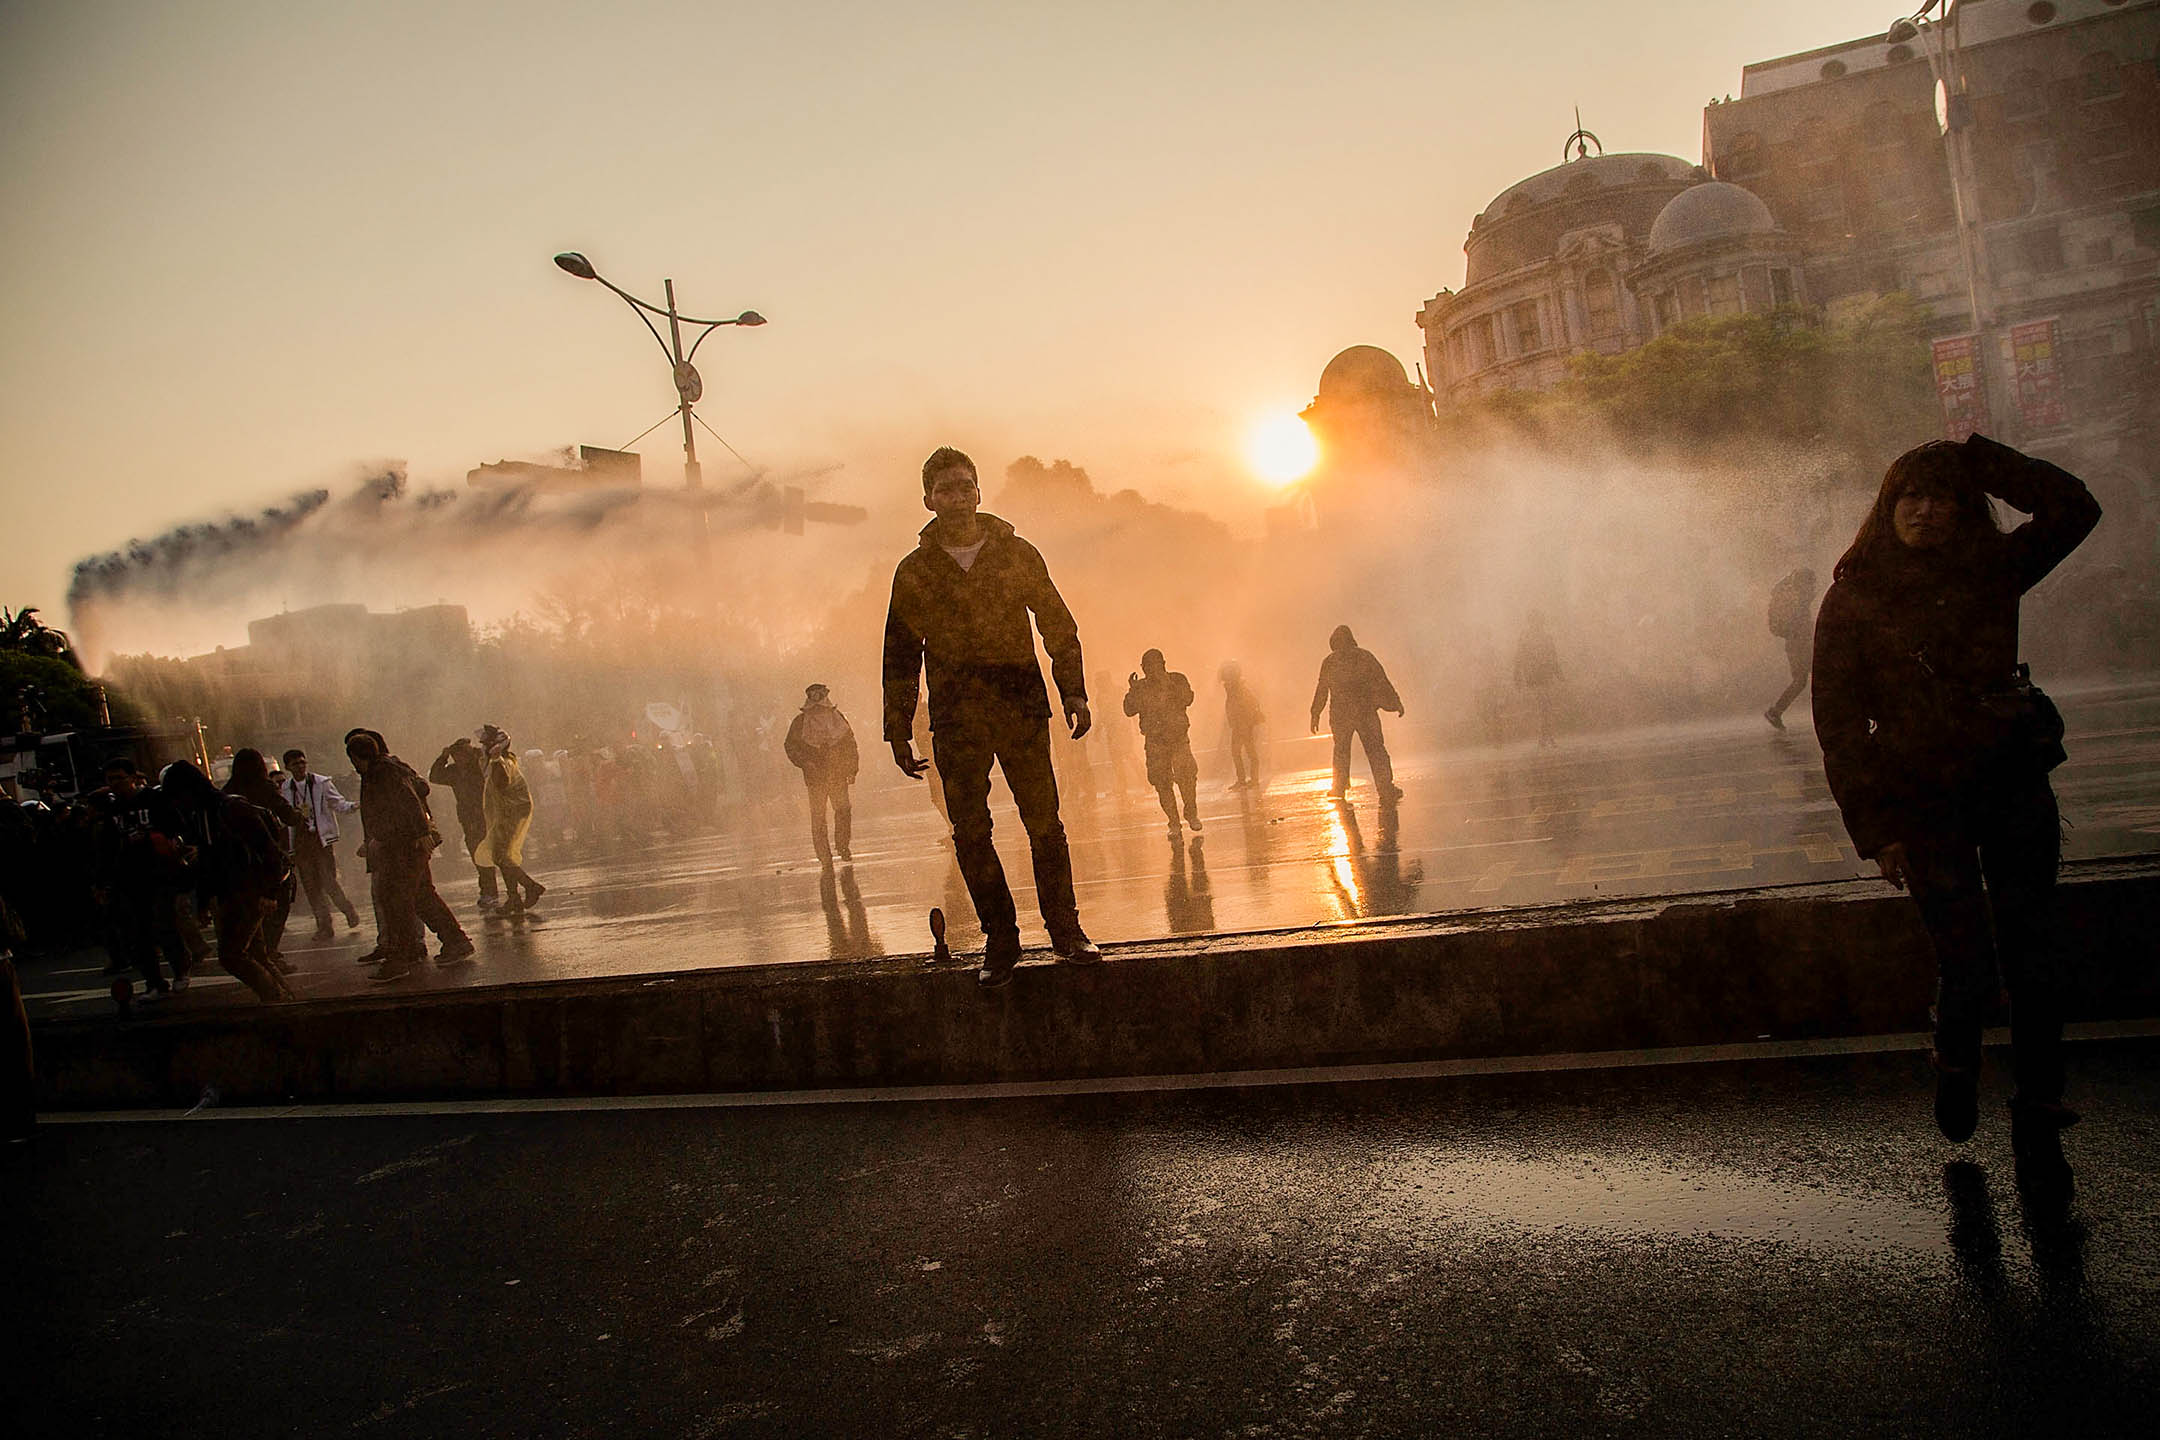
1021, 746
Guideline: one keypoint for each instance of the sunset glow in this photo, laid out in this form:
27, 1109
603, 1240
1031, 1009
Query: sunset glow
1281, 450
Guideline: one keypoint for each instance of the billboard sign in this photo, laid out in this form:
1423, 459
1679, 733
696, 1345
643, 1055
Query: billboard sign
1958, 385
2039, 376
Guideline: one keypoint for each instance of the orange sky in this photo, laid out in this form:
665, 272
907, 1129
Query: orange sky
252, 247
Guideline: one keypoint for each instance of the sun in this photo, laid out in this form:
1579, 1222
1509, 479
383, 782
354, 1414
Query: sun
1281, 450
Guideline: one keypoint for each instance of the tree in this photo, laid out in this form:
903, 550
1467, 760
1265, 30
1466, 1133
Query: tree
22, 633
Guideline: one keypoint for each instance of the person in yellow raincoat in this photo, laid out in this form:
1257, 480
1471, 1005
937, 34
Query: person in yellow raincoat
508, 807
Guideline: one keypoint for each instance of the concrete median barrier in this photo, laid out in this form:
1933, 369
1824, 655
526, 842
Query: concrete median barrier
1803, 961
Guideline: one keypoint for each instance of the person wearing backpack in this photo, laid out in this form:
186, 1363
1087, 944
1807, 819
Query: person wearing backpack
821, 744
240, 864
1792, 620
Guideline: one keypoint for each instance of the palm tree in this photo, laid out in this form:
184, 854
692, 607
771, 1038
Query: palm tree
22, 633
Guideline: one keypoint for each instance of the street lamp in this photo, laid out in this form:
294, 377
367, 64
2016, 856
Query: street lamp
1953, 118
689, 385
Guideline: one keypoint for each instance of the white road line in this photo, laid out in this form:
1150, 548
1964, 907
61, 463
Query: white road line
1111, 1085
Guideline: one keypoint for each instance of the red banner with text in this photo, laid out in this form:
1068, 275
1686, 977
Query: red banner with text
2039, 377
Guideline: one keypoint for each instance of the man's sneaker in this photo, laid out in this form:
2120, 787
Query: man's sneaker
533, 894
998, 962
352, 919
455, 950
283, 966
325, 932
179, 981
1192, 818
391, 970
1957, 1100
1077, 950
489, 902
1777, 721
372, 957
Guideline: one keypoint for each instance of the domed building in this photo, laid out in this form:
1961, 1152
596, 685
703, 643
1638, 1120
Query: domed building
1715, 250
1598, 255
1545, 278
1369, 412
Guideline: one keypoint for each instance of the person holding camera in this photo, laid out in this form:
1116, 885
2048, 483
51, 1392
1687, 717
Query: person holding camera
1937, 748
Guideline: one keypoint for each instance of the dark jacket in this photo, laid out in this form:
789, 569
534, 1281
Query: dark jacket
1161, 705
822, 764
969, 629
263, 795
1904, 646
1352, 686
464, 769
394, 808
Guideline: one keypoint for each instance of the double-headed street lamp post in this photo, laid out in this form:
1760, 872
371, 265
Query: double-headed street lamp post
689, 386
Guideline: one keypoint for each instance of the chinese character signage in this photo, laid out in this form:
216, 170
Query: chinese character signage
2039, 378
1958, 385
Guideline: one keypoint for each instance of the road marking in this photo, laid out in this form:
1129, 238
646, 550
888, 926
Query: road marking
1490, 882
1820, 849
1911, 1042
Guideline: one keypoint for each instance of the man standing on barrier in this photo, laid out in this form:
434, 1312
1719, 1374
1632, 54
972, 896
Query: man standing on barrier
960, 605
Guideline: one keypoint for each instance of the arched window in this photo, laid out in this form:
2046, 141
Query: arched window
1601, 302
1881, 127
2099, 77
2025, 97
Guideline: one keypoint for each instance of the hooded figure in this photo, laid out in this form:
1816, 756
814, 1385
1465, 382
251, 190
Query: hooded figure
401, 841
242, 866
821, 744
463, 767
1354, 689
1537, 669
1160, 699
507, 810
252, 782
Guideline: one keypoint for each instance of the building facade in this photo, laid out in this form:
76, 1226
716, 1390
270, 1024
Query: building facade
2060, 183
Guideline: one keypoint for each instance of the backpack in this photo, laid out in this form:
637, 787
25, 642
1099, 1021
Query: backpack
1788, 607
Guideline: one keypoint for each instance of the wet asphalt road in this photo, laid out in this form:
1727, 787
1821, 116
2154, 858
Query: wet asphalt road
1767, 1248
1708, 807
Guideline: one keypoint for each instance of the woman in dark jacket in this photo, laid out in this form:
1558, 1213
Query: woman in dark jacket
1938, 752
251, 782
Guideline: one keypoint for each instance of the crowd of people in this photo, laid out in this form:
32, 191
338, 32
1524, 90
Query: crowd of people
1936, 745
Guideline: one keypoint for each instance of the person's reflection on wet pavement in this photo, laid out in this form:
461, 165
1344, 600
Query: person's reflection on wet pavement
1974, 1238
1188, 902
847, 923
1379, 883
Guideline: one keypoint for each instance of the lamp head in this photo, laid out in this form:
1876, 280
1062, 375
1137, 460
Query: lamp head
1903, 32
749, 317
577, 265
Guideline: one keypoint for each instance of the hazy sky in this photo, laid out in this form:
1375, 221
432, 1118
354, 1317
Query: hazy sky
247, 248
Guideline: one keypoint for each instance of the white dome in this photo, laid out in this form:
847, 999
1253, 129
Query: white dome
1714, 210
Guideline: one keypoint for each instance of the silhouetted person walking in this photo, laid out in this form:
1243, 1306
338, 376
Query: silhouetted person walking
401, 841
960, 606
252, 782
1354, 689
821, 744
506, 805
1242, 719
1161, 700
1937, 749
463, 769
1792, 620
1537, 670
240, 864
